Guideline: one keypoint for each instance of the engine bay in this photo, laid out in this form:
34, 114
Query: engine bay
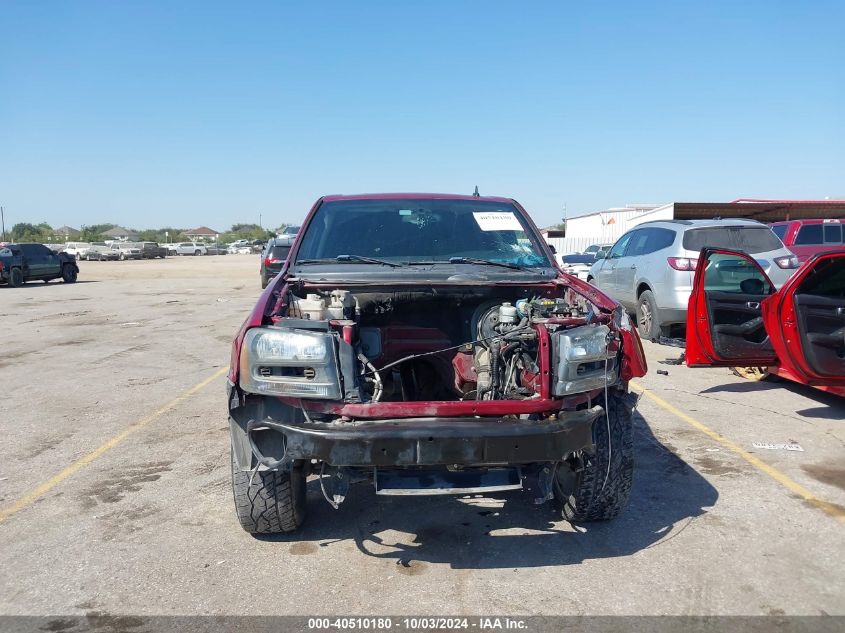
440, 344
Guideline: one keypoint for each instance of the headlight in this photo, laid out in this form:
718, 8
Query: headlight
582, 361
286, 362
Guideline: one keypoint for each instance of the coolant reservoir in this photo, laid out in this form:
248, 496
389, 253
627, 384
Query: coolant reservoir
341, 306
313, 307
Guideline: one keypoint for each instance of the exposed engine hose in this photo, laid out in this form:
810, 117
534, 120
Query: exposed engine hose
379, 385
448, 349
332, 502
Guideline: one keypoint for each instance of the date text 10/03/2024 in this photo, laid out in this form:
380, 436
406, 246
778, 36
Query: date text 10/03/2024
416, 623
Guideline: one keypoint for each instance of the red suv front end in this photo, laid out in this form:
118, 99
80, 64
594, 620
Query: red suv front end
429, 343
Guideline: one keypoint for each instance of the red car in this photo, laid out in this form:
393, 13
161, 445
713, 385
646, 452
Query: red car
735, 318
805, 238
429, 343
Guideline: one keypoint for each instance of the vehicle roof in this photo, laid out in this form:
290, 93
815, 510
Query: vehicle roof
810, 221
697, 224
415, 196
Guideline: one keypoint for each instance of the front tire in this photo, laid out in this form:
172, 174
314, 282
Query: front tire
599, 491
274, 503
648, 316
197, 253
69, 274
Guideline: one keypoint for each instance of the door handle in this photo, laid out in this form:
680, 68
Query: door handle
754, 305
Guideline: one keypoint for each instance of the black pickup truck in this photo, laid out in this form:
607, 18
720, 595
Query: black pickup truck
20, 263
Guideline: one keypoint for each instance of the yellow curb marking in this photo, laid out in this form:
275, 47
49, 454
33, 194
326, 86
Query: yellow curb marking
33, 496
831, 509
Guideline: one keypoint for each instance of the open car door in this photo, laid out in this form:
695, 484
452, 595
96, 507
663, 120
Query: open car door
724, 317
806, 322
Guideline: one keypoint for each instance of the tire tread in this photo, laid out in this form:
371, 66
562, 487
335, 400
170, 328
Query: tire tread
268, 505
593, 499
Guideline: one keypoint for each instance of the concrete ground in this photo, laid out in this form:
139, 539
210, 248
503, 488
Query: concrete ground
145, 525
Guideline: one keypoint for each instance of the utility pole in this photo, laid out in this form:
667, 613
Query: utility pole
3, 222
259, 221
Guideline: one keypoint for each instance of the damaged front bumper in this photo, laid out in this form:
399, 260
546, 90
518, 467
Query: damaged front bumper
275, 438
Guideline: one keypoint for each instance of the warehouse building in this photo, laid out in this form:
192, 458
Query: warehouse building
605, 227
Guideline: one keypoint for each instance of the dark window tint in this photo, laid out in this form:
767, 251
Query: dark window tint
660, 239
832, 233
826, 279
809, 234
579, 259
639, 240
750, 239
730, 273
35, 250
647, 241
780, 231
619, 248
280, 252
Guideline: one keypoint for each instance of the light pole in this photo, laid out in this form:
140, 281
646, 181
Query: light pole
3, 222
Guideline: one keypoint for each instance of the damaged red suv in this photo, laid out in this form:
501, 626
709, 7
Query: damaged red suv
429, 343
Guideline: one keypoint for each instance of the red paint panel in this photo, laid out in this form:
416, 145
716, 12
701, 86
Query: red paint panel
699, 350
781, 323
434, 409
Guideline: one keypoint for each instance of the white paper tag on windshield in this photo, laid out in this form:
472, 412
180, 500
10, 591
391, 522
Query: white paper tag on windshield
497, 221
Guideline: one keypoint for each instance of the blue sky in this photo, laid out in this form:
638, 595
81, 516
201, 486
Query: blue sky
153, 113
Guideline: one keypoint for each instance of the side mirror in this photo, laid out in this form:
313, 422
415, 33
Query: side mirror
553, 249
601, 255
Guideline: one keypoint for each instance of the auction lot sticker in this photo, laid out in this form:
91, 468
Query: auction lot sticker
497, 221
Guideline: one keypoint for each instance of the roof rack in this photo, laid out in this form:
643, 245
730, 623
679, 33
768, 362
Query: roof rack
684, 222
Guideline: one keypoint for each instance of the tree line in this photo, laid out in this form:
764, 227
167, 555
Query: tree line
45, 234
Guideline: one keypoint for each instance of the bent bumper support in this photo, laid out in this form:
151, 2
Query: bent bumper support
411, 442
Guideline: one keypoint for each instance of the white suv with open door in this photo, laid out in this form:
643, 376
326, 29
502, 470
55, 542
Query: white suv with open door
650, 269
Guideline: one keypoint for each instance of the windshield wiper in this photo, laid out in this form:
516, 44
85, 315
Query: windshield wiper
355, 259
485, 262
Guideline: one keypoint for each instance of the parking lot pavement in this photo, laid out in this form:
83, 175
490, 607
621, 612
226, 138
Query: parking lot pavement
131, 360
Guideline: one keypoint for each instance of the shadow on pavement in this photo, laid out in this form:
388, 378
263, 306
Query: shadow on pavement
833, 407
749, 386
507, 530
55, 282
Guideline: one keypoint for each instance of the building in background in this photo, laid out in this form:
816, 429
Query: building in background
600, 227
202, 233
65, 233
121, 234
